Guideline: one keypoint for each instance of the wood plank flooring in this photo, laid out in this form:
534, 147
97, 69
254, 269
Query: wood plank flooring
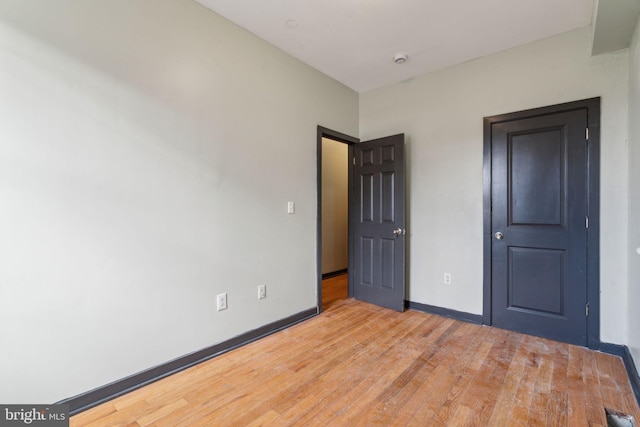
361, 365
334, 289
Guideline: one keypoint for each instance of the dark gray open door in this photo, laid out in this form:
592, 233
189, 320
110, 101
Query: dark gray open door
377, 212
539, 225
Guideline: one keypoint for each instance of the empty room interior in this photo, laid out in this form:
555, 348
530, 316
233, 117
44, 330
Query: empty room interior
219, 212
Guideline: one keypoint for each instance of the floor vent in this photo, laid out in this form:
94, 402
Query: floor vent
618, 419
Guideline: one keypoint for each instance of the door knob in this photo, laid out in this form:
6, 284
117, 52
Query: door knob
399, 231
499, 235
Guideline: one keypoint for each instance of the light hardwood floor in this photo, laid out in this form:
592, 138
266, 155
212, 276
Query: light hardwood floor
334, 289
359, 364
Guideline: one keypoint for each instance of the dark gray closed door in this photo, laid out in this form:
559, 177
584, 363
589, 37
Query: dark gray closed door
539, 235
377, 214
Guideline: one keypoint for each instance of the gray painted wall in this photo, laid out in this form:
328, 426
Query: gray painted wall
335, 206
634, 196
147, 154
441, 114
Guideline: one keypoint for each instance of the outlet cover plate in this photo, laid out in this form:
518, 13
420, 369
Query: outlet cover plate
447, 278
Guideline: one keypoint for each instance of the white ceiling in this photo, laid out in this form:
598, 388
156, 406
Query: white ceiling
354, 41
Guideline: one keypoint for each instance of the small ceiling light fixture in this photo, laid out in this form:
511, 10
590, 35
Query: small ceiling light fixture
400, 58
291, 23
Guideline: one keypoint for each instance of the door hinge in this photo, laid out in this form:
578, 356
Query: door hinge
586, 221
586, 310
586, 134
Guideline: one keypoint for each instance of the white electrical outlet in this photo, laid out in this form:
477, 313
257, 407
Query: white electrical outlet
262, 291
222, 301
447, 278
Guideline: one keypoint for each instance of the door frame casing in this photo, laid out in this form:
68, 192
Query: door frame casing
323, 132
592, 107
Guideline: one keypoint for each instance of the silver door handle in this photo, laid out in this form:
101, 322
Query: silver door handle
499, 235
399, 231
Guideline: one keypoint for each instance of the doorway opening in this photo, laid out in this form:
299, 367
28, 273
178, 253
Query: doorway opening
376, 249
333, 252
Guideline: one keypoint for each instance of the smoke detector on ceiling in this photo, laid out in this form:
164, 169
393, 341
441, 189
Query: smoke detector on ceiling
400, 58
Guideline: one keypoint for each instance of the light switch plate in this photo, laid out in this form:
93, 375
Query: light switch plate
221, 301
